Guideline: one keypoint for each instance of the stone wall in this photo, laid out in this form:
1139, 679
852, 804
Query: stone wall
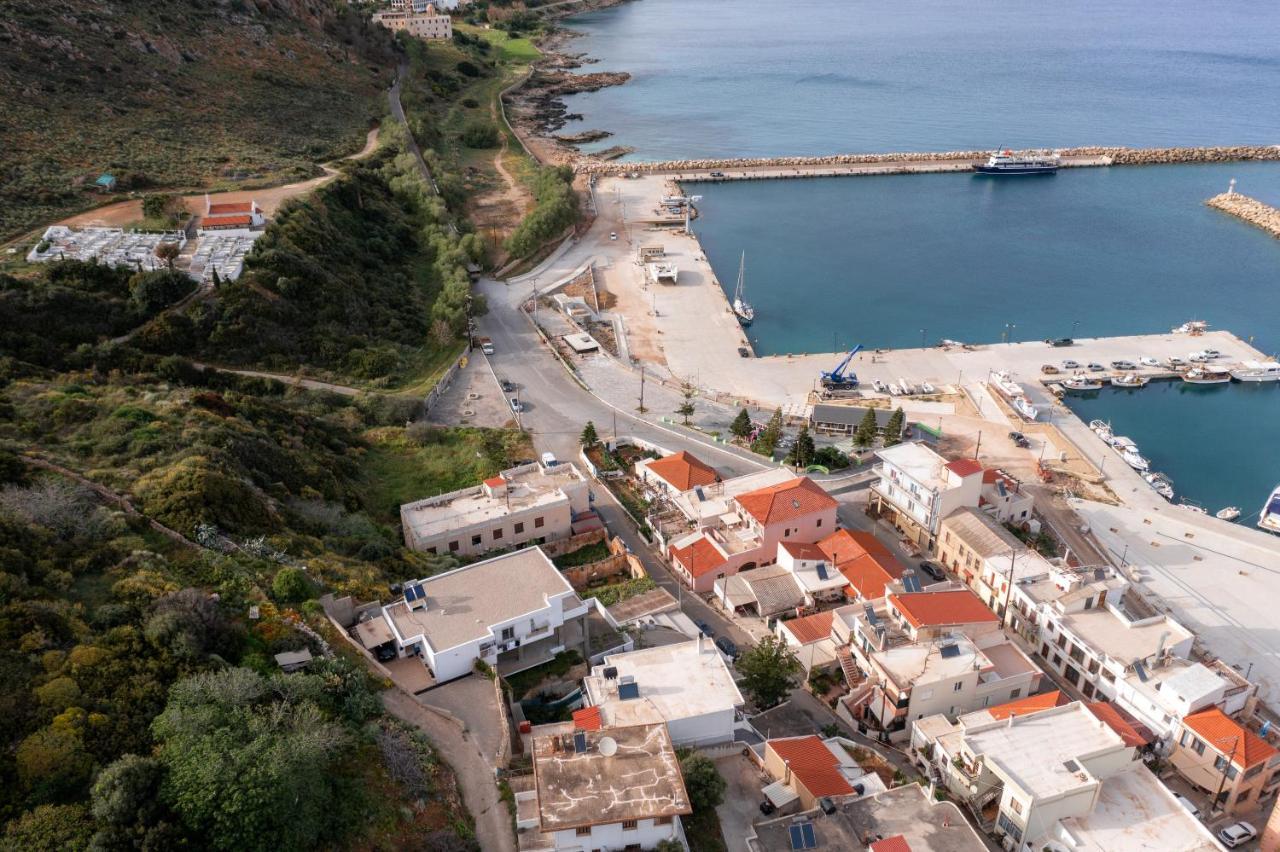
561, 546
1249, 209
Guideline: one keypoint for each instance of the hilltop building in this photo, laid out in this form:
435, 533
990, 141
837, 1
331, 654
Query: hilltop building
427, 24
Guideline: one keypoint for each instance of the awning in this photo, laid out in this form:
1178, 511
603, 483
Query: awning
779, 794
374, 632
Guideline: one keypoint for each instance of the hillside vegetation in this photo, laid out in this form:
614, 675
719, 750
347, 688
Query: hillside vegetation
186, 94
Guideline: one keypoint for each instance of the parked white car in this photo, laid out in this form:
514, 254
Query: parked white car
1237, 833
1148, 361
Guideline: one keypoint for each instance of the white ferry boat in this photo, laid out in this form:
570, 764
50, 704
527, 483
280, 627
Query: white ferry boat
1269, 518
1009, 163
1257, 371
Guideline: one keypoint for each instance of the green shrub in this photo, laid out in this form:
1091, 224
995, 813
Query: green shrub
480, 134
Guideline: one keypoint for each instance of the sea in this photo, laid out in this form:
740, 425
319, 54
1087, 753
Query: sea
1214, 441
904, 260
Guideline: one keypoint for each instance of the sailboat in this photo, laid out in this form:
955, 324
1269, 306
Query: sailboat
741, 307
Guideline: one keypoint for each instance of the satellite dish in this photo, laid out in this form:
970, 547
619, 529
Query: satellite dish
608, 746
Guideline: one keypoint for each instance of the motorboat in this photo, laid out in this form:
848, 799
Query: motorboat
1081, 384
1257, 371
1192, 327
1102, 429
1130, 380
1192, 507
894, 390
906, 387
1160, 483
1025, 408
1206, 376
879, 386
1121, 443
1134, 460
925, 387
1269, 517
1230, 513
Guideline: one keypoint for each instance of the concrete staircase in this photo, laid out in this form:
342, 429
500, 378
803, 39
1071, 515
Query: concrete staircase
852, 676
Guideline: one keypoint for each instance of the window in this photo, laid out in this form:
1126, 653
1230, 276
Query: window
453, 547
1220, 763
1057, 661
583, 831
628, 825
1010, 828
1076, 653
1088, 690
1044, 651
537, 523
1014, 694
1093, 667
663, 820
1252, 771
1062, 640
519, 527
431, 550
1016, 805
1197, 745
1185, 738
819, 523
1108, 676
475, 540
959, 684
1072, 675
508, 633
497, 534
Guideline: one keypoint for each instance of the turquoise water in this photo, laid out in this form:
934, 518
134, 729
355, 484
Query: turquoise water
1216, 442
755, 78
1084, 253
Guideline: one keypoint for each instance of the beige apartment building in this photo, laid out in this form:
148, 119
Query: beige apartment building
529, 504
1226, 759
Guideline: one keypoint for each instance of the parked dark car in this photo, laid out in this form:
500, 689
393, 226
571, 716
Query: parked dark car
933, 571
705, 628
727, 647
508, 385
1060, 341
1019, 439
386, 653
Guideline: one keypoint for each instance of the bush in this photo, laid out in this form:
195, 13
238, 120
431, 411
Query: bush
467, 69
555, 208
291, 585
480, 134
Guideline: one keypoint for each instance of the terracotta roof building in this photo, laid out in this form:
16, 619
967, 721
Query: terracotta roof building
810, 767
786, 501
1220, 755
927, 613
678, 472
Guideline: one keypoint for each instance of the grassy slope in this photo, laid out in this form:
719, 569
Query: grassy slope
170, 95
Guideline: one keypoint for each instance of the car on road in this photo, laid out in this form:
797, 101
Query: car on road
1174, 362
932, 571
1049, 370
1096, 367
1198, 357
508, 386
516, 405
727, 647
1148, 361
1069, 364
1019, 439
1122, 364
1060, 341
1237, 833
486, 346
717, 174
705, 629
1212, 353
549, 460
613, 235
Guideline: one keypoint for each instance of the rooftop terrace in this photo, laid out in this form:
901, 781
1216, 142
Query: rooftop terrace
673, 681
527, 487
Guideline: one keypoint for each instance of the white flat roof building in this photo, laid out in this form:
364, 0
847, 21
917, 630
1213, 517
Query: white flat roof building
1134, 812
530, 503
687, 686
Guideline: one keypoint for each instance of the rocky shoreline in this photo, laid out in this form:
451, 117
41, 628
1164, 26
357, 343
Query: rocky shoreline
1114, 156
1251, 210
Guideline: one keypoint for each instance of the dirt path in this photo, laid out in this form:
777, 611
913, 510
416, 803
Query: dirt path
475, 775
498, 209
309, 384
268, 198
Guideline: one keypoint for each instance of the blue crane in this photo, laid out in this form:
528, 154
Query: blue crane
838, 378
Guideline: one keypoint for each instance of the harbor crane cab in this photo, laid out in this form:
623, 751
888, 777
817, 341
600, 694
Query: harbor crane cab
841, 377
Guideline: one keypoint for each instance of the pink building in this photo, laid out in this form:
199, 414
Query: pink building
747, 535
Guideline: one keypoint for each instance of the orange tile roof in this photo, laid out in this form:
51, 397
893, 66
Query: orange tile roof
801, 550
935, 609
494, 481
1120, 722
965, 467
699, 557
779, 503
1227, 736
209, 223
230, 207
683, 471
1027, 706
897, 843
813, 765
588, 719
863, 560
810, 628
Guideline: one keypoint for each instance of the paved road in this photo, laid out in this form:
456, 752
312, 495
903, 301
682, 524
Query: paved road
475, 776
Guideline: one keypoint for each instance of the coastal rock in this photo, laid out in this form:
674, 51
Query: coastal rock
583, 137
1251, 210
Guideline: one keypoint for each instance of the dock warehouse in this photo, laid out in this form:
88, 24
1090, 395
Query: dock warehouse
844, 419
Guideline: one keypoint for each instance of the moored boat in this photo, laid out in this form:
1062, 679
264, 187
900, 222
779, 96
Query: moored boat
1121, 443
1025, 408
925, 387
1206, 376
1130, 380
1160, 483
1269, 517
1230, 513
1081, 384
1257, 371
1192, 327
741, 307
1134, 460
1009, 163
1192, 507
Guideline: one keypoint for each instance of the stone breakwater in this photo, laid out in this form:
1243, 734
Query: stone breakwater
1107, 155
1251, 210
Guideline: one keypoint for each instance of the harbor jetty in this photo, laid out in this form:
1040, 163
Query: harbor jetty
745, 168
1251, 210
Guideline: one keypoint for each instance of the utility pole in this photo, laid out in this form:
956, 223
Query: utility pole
1008, 590
979, 444
642, 409
1226, 767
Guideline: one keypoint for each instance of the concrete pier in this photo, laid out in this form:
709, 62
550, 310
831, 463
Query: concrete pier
1251, 210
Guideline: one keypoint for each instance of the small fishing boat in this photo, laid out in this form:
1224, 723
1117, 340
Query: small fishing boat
1193, 327
1192, 507
1228, 514
1269, 517
1102, 429
894, 389
906, 387
1257, 371
879, 386
925, 387
741, 307
1026, 409
1130, 380
1121, 443
1160, 483
1206, 376
1081, 384
1134, 460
